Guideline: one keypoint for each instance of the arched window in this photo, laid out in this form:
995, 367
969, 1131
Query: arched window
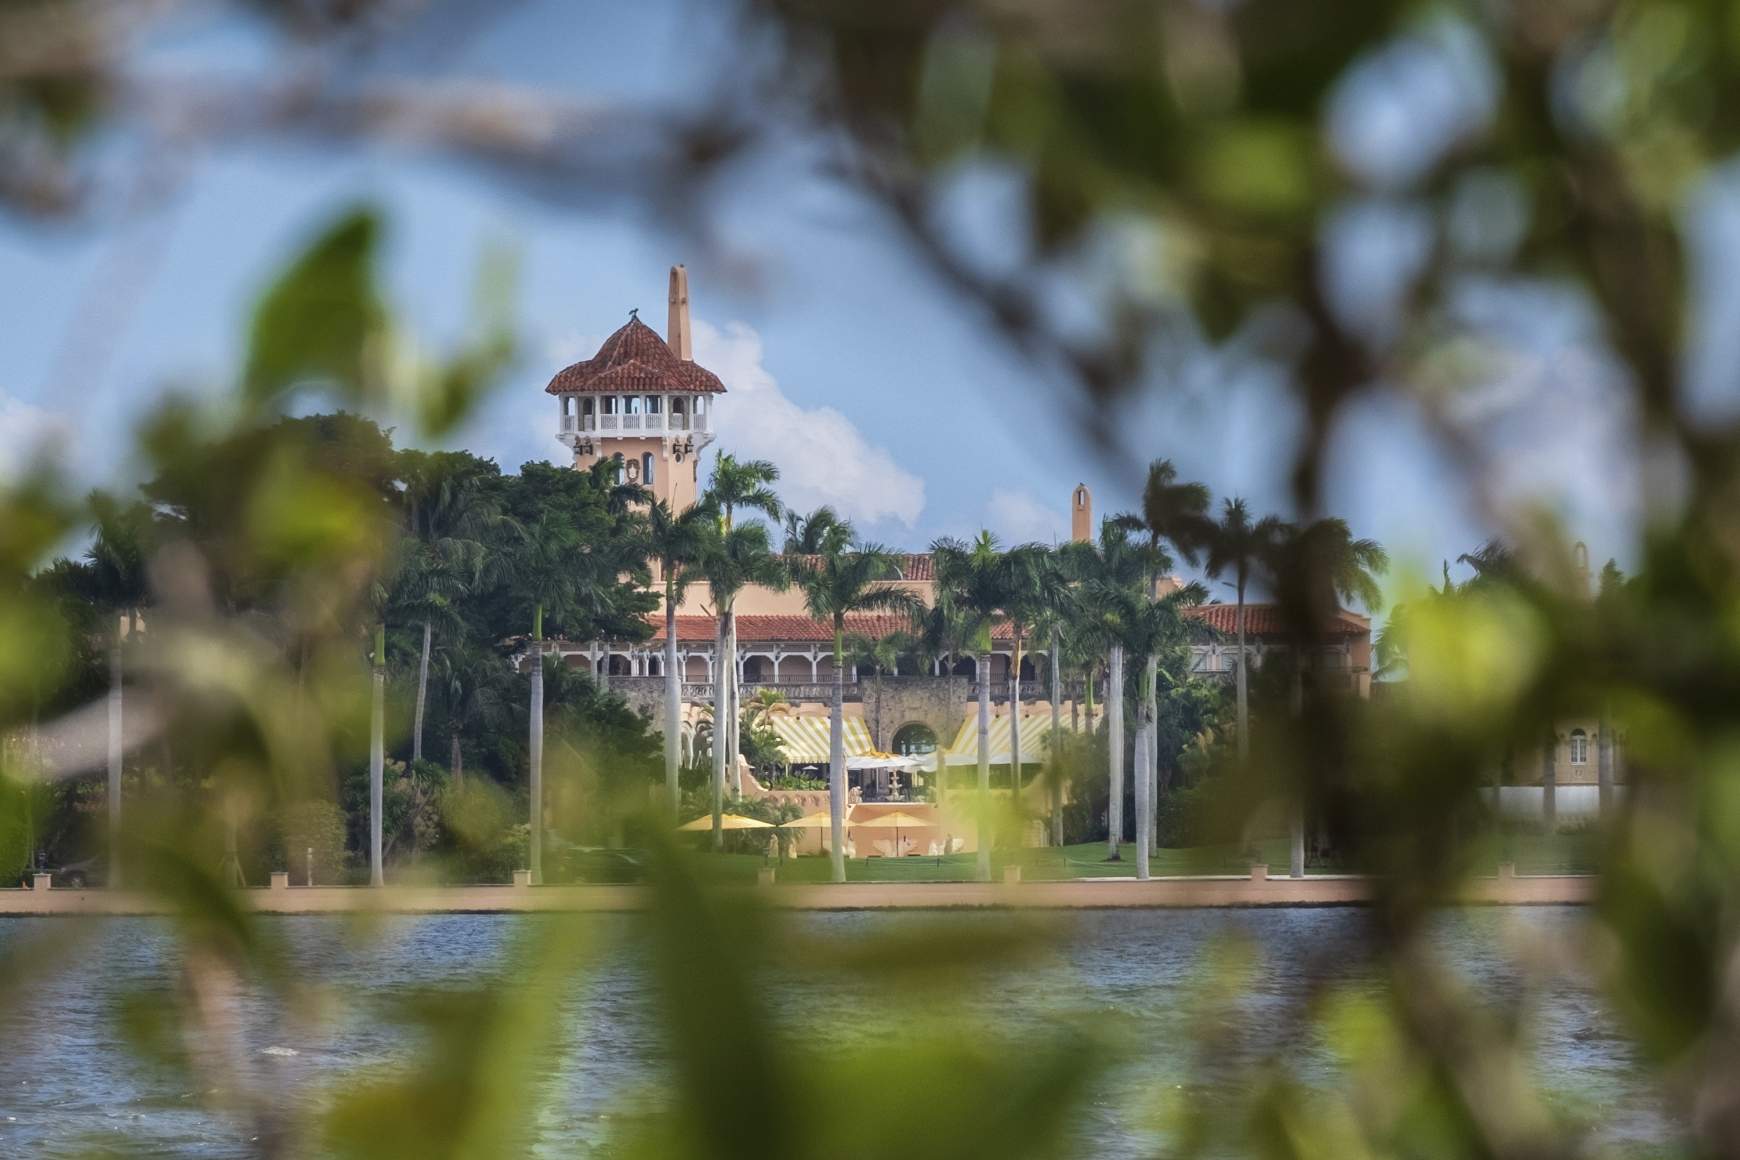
646, 469
914, 739
1579, 747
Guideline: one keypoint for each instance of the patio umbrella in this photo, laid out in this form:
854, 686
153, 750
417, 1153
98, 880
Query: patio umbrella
727, 822
821, 819
893, 821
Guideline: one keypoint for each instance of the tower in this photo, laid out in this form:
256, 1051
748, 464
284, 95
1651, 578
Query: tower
644, 402
1081, 515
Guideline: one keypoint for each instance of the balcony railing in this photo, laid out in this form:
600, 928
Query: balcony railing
794, 691
657, 424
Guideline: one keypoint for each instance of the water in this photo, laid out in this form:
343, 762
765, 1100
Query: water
66, 1085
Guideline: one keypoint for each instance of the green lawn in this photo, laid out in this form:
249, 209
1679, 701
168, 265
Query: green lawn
1533, 854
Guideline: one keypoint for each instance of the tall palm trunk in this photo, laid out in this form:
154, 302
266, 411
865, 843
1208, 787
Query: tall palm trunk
377, 753
1015, 729
673, 700
1296, 815
1244, 720
1115, 752
1151, 749
536, 740
721, 735
603, 669
734, 754
1604, 763
1051, 750
1550, 781
456, 762
837, 758
983, 831
1144, 806
117, 752
422, 693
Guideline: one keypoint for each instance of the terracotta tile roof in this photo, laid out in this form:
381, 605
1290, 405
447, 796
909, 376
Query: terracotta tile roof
634, 360
1266, 620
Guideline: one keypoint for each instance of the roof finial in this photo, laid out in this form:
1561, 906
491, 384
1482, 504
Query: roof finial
634, 314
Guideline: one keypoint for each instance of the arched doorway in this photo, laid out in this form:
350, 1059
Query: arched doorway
914, 740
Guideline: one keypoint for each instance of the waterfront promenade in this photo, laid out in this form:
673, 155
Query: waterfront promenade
1254, 890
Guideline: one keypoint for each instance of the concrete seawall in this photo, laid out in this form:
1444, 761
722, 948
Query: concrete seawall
1086, 893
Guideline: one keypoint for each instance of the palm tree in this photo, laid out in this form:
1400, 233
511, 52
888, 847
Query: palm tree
766, 704
553, 572
1056, 622
1105, 574
377, 752
747, 485
1174, 513
621, 498
809, 535
1244, 548
1317, 568
836, 584
474, 686
1145, 627
737, 557
430, 583
448, 512
944, 633
1031, 583
972, 581
115, 575
677, 541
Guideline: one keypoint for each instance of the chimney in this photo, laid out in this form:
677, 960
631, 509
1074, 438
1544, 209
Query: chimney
1081, 515
677, 334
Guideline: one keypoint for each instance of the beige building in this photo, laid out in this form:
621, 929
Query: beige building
643, 401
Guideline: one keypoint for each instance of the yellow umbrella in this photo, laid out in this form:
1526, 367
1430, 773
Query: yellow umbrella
819, 818
893, 821
727, 822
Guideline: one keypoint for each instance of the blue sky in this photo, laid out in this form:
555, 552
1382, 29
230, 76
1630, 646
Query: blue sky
846, 360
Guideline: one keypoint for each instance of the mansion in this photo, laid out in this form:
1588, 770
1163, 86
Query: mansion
644, 402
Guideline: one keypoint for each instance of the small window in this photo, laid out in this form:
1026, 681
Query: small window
586, 406
676, 406
654, 404
618, 458
610, 403
635, 404
646, 469
1579, 747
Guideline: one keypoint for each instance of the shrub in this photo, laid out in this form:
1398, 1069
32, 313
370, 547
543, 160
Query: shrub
316, 826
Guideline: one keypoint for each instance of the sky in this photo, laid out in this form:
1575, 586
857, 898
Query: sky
846, 362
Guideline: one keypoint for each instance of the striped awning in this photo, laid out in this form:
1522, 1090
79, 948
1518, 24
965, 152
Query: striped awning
804, 740
1035, 738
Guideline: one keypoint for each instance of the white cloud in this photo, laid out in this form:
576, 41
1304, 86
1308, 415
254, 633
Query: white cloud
29, 435
822, 456
1017, 517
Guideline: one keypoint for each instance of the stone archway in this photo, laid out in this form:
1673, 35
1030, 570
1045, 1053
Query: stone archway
914, 739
